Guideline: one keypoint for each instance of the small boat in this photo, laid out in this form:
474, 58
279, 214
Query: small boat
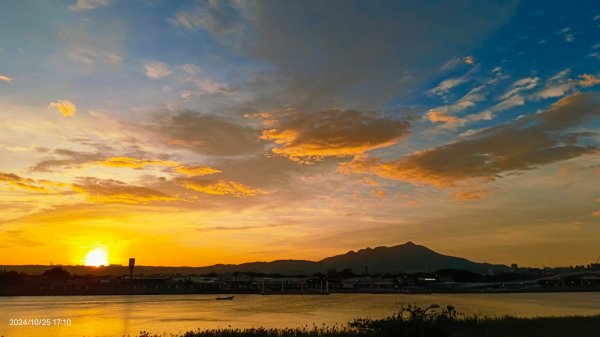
227, 298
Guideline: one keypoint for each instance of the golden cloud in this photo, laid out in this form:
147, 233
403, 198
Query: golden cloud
332, 133
65, 107
526, 143
196, 170
114, 191
24, 183
135, 163
220, 187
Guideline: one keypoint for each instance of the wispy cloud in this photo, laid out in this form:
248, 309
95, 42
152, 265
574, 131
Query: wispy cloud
6, 79
193, 171
456, 61
521, 85
220, 187
113, 191
65, 107
471, 194
587, 80
239, 228
157, 70
449, 121
217, 17
30, 184
66, 159
557, 85
22, 183
446, 85
490, 112
84, 5
444, 114
135, 162
567, 34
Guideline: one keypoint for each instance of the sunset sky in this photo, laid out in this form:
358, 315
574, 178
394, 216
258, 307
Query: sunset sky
202, 132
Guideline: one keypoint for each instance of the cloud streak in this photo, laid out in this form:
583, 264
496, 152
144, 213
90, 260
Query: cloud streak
220, 187
113, 191
194, 171
6, 79
23, 183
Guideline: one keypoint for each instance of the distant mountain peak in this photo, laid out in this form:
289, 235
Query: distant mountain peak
407, 257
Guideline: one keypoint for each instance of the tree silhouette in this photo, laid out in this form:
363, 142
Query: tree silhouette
57, 273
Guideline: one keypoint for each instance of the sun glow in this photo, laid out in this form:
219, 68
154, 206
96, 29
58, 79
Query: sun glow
97, 257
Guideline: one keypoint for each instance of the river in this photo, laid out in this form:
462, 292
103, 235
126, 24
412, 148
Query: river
168, 314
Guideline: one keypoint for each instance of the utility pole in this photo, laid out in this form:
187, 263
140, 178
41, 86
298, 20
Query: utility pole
131, 265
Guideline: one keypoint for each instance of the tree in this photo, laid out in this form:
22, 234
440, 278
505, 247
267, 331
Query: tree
57, 273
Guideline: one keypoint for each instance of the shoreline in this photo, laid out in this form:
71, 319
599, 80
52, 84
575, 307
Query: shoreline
423, 292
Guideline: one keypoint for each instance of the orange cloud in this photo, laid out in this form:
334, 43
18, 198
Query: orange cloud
534, 140
403, 169
268, 118
114, 191
588, 80
436, 116
332, 133
23, 183
196, 170
135, 163
221, 187
65, 107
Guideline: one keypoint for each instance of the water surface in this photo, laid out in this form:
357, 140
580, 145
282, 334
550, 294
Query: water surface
128, 315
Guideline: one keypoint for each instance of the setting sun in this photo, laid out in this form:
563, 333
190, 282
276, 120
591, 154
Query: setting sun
97, 257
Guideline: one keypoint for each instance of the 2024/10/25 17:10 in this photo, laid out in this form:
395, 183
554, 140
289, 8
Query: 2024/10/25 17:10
39, 322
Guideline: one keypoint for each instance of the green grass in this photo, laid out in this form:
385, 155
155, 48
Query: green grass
413, 321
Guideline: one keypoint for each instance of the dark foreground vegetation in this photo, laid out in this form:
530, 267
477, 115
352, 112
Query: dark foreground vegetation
413, 321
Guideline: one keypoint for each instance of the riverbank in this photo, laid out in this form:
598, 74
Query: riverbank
401, 290
419, 323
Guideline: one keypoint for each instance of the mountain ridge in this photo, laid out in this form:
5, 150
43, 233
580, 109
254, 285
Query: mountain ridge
408, 257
